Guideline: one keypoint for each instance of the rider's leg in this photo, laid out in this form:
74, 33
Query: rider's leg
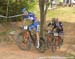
50, 35
31, 27
61, 35
57, 40
36, 26
38, 36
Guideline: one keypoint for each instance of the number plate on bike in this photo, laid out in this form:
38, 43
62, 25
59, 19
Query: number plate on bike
25, 27
55, 34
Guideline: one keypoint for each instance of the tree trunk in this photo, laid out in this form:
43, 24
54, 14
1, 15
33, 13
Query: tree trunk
43, 11
42, 17
42, 25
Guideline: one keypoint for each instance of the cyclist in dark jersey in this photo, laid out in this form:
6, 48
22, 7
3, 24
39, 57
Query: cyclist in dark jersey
57, 26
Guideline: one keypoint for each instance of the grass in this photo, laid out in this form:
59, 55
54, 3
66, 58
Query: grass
66, 14
70, 56
3, 33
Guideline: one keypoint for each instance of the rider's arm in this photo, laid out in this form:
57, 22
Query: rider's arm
32, 16
61, 25
53, 26
49, 24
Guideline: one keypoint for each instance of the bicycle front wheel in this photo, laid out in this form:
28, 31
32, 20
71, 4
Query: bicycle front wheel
23, 42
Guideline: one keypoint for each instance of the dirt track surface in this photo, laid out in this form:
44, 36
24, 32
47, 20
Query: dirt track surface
11, 51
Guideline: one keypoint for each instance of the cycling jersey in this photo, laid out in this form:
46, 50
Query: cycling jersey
31, 16
35, 24
58, 26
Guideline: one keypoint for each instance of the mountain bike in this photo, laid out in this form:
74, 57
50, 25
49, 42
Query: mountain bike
54, 41
25, 39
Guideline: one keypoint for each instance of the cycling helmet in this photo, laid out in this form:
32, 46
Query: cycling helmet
24, 9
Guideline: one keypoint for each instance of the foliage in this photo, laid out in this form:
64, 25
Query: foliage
3, 6
14, 7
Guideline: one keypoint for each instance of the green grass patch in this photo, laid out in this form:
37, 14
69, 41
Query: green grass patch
3, 33
64, 13
70, 56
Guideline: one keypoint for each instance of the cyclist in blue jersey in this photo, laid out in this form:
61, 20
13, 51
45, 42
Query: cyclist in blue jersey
35, 23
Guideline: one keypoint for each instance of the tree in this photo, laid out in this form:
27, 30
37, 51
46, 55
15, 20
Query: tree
13, 7
16, 6
3, 7
43, 5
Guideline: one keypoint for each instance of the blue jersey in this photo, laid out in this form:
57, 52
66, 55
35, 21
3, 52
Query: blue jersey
31, 16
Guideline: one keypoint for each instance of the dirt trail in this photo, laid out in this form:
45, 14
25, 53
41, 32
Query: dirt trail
11, 51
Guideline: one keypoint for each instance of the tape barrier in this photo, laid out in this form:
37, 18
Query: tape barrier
3, 16
11, 16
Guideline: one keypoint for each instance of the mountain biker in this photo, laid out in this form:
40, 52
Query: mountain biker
58, 27
35, 23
